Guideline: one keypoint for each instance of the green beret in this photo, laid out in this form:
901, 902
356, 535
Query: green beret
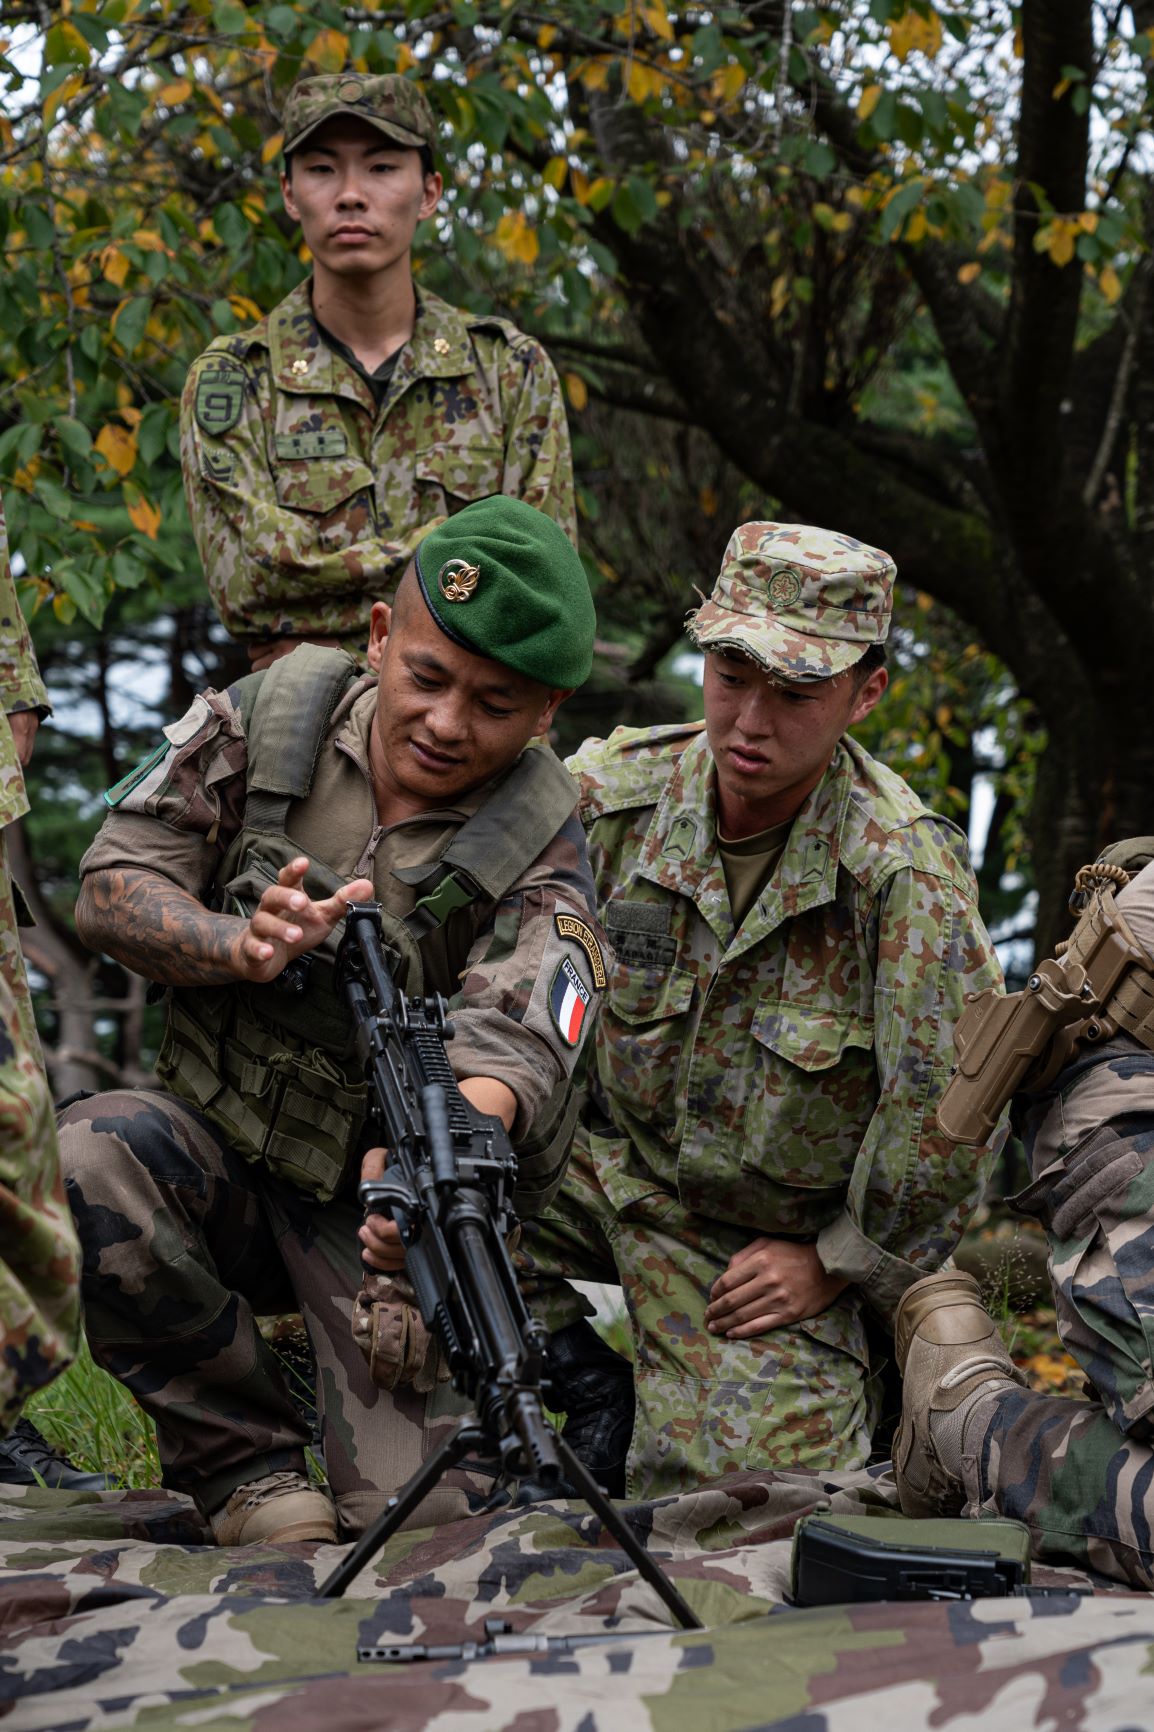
504, 580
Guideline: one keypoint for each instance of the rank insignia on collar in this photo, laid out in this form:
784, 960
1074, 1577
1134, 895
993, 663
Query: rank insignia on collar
458, 579
299, 367
441, 345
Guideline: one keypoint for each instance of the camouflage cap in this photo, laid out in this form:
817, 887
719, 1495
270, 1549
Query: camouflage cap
805, 603
504, 580
394, 105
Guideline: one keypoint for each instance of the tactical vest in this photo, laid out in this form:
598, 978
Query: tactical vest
273, 1066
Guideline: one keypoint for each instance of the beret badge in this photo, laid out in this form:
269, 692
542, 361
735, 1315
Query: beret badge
458, 579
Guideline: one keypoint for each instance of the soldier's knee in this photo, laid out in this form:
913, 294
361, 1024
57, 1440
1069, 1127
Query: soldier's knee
124, 1136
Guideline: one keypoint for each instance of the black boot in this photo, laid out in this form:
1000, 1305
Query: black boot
26, 1458
592, 1385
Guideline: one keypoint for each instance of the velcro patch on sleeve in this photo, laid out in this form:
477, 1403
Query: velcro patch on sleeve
330, 442
578, 932
219, 399
569, 999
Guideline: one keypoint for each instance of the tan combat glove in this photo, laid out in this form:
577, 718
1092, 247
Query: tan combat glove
390, 1332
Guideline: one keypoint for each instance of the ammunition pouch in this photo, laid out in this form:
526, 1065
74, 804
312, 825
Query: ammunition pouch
1103, 982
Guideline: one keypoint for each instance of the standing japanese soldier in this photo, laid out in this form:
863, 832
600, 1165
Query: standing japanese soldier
322, 443
794, 936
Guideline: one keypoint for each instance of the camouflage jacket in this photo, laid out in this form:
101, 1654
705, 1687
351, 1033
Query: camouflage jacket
307, 501
507, 971
782, 1077
21, 687
39, 1256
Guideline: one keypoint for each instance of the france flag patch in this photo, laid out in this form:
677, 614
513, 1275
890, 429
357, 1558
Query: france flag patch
568, 1001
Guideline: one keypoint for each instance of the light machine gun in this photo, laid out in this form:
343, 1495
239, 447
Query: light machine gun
448, 1186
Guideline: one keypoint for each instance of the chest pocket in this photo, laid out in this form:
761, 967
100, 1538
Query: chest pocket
814, 1090
335, 492
452, 476
647, 1017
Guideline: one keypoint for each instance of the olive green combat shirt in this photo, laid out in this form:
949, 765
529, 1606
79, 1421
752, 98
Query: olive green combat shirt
21, 687
307, 500
783, 1076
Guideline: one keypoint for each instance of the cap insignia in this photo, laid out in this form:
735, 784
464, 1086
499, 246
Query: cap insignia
441, 345
458, 579
299, 367
350, 90
784, 587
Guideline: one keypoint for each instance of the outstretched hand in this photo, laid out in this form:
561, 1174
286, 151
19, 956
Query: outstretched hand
769, 1283
288, 923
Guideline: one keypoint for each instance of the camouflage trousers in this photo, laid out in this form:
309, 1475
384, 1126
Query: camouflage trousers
39, 1256
185, 1245
1082, 1474
794, 1397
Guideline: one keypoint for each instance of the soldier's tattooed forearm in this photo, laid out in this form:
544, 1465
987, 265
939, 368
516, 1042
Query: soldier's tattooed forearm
144, 921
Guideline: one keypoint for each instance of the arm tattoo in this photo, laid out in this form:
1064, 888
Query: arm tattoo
163, 933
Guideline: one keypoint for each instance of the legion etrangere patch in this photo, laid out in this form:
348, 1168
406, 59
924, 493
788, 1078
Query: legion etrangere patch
569, 926
568, 1001
219, 398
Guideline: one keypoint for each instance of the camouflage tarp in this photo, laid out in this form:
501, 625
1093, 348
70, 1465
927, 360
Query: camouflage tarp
114, 1613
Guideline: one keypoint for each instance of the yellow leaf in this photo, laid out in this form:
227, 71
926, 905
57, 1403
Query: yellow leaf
870, 97
271, 148
63, 94
1060, 89
943, 715
546, 36
779, 296
554, 172
114, 265
516, 238
579, 181
967, 273
640, 81
1057, 239
911, 33
916, 227
923, 602
149, 240
594, 74
840, 222
244, 308
657, 19
405, 57
327, 51
725, 85
823, 214
132, 415
172, 94
1110, 284
145, 517
707, 501
1088, 221
576, 390
117, 447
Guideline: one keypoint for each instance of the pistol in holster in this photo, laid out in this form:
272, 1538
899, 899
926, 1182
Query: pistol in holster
1003, 1042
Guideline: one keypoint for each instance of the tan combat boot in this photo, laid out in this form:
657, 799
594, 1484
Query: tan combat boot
948, 1348
271, 1511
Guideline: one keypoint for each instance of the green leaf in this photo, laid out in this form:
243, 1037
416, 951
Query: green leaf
74, 435
230, 18
127, 572
820, 160
231, 226
131, 322
625, 212
65, 46
84, 584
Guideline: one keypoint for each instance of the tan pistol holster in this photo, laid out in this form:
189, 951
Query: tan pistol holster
273, 1066
1103, 981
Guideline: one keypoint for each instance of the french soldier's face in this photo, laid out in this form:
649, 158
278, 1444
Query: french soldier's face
447, 720
357, 197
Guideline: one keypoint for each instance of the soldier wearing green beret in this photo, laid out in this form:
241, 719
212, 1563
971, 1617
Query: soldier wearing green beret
221, 873
322, 443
